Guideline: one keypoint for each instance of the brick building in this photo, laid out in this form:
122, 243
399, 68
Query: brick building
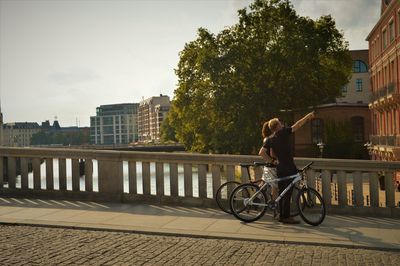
384, 57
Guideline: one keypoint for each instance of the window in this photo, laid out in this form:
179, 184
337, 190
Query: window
384, 40
108, 120
359, 85
357, 123
391, 31
359, 66
398, 21
317, 130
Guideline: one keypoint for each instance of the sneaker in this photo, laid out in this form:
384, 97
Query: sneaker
289, 220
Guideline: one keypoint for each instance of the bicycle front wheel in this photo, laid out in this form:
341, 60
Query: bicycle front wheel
244, 209
311, 206
223, 193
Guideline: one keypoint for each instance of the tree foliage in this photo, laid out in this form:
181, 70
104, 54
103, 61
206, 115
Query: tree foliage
272, 59
340, 143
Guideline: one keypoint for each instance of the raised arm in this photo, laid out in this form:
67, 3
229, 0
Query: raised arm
302, 121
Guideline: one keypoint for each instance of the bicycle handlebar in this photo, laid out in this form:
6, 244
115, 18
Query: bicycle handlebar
307, 166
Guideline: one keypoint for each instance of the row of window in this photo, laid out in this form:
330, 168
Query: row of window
388, 36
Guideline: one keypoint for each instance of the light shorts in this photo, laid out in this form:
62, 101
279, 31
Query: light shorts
269, 173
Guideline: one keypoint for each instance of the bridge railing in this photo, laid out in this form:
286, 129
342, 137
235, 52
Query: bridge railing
348, 186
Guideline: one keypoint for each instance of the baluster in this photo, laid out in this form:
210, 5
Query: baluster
188, 177
311, 178
216, 177
173, 179
326, 187
89, 175
1, 172
132, 177
245, 175
24, 173
62, 173
159, 179
342, 188
258, 172
358, 188
146, 178
230, 176
202, 170
374, 189
36, 174
49, 174
12, 171
75, 175
389, 189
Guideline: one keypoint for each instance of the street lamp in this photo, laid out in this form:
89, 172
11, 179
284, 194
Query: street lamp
321, 146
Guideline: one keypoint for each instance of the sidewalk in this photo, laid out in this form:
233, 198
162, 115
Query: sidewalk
348, 231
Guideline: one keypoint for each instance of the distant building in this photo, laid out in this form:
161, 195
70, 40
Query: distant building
358, 90
114, 124
384, 55
351, 107
1, 127
151, 114
19, 134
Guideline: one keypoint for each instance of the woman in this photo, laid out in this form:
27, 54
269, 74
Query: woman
266, 132
280, 144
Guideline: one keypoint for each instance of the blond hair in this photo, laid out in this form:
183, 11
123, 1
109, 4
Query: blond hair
273, 124
265, 130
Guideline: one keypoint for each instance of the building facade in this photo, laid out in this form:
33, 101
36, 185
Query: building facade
358, 90
384, 57
1, 127
19, 134
151, 114
114, 124
350, 110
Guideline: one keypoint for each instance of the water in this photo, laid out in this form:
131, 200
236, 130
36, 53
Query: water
139, 183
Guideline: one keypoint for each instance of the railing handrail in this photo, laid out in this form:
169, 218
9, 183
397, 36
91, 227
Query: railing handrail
178, 157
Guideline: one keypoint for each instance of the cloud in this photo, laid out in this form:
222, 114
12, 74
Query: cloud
356, 17
72, 76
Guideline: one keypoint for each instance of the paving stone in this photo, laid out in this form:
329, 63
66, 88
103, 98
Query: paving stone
30, 245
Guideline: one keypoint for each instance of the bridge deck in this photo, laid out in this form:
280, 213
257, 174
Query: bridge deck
365, 232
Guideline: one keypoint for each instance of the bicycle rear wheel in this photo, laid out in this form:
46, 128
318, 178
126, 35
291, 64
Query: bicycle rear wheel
311, 206
223, 193
242, 208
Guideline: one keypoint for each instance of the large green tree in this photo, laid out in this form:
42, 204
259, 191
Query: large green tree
272, 59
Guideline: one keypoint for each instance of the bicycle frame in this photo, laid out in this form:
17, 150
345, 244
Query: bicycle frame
296, 178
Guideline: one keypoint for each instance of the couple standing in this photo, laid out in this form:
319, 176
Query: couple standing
279, 146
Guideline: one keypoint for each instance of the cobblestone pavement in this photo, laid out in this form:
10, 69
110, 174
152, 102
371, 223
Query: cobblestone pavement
26, 245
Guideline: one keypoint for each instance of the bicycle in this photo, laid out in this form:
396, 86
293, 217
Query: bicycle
225, 190
249, 202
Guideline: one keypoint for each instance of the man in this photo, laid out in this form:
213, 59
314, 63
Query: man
280, 144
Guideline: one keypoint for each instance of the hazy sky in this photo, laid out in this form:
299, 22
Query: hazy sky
65, 58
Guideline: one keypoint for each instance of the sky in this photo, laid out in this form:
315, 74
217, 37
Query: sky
63, 58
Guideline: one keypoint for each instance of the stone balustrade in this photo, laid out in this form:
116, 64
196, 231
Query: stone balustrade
348, 186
